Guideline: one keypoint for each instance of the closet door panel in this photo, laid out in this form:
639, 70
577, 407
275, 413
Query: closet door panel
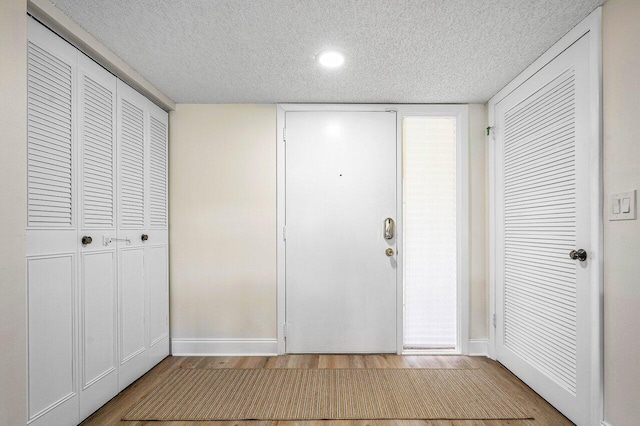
97, 212
51, 333
133, 359
132, 302
158, 303
157, 245
51, 229
98, 307
132, 224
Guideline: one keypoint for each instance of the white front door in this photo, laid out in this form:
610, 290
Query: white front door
340, 268
544, 213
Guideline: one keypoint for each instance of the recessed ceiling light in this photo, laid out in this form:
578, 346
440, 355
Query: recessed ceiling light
330, 59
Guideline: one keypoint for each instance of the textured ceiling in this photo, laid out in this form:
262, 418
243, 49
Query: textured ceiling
262, 51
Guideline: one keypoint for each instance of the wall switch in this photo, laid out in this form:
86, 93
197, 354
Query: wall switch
626, 208
622, 206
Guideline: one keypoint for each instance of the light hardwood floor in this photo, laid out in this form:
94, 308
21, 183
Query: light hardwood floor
544, 414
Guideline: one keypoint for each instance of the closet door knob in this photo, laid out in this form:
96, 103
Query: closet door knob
86, 240
580, 255
144, 237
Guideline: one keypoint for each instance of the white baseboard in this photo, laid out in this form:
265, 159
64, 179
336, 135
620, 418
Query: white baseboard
478, 347
262, 347
224, 347
605, 423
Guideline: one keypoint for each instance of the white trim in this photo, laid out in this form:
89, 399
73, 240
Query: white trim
461, 112
430, 352
280, 222
593, 25
491, 212
605, 423
399, 239
224, 347
478, 347
70, 31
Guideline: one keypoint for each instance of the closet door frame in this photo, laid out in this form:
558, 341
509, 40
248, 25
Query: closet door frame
591, 25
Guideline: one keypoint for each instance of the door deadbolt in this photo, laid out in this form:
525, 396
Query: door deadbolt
389, 228
389, 252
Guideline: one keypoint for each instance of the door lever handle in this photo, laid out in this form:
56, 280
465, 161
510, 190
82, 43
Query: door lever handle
389, 228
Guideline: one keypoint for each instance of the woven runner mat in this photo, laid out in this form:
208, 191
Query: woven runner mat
327, 394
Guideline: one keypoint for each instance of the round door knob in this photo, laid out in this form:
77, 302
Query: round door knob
144, 237
86, 240
389, 252
579, 254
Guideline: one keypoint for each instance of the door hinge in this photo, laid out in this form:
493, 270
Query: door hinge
284, 330
493, 319
491, 131
284, 134
284, 233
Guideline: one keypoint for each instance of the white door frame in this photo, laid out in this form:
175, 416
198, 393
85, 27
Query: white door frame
462, 214
591, 25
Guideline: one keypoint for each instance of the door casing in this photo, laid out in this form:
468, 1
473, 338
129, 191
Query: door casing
462, 213
591, 25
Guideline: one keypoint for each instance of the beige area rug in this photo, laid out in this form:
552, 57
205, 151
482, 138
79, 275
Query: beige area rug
305, 394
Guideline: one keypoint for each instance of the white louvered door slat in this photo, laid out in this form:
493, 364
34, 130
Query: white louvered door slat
98, 265
132, 165
52, 243
158, 174
50, 189
543, 201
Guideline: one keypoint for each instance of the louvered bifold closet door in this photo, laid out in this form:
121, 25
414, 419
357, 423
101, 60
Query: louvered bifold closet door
540, 219
132, 207
157, 245
51, 233
543, 294
98, 265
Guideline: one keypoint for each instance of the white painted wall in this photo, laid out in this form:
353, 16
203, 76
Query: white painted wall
621, 114
222, 180
478, 177
223, 226
13, 161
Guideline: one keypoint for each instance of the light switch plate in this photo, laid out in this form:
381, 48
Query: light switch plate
618, 201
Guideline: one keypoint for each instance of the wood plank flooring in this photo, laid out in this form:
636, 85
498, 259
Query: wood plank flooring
543, 412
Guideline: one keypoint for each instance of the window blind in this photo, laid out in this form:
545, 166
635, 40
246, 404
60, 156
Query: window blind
430, 248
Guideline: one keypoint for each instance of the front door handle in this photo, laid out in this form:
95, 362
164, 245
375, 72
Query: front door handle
389, 229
